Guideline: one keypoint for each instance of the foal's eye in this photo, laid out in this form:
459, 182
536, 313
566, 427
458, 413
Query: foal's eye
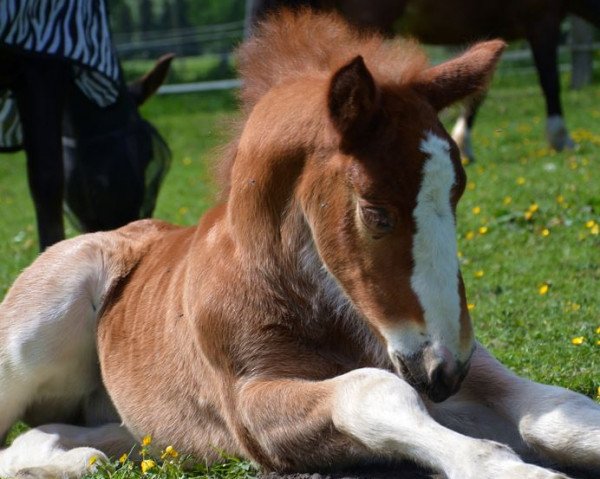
377, 219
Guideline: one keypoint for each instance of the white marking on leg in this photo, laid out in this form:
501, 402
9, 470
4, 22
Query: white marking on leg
562, 425
63, 450
387, 416
461, 134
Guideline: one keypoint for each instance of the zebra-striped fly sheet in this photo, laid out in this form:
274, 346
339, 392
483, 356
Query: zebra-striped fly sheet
75, 30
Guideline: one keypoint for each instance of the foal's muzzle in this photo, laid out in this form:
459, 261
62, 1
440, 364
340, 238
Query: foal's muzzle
433, 371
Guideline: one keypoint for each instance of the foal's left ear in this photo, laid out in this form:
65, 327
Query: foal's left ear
352, 98
460, 77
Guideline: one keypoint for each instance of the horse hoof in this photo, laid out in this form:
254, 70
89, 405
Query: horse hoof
558, 135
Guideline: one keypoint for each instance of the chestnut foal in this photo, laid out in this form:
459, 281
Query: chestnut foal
315, 319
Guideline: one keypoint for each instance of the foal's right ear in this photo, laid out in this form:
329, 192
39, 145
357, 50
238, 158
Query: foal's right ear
352, 98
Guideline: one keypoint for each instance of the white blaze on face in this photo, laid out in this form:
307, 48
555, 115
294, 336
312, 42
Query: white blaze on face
435, 275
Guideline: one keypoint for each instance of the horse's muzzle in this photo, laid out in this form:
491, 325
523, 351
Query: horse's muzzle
433, 372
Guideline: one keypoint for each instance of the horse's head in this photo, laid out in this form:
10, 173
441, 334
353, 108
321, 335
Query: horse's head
381, 206
114, 160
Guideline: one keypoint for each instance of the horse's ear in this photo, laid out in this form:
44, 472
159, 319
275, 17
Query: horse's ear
352, 98
143, 88
460, 77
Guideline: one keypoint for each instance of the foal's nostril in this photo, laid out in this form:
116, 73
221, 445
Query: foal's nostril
441, 384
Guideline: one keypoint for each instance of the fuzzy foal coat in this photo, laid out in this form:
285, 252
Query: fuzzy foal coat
234, 336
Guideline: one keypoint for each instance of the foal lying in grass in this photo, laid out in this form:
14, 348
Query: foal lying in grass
315, 319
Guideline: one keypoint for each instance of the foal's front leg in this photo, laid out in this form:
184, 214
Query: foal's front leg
555, 424
363, 415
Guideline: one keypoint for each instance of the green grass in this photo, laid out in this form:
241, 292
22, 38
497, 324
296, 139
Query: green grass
185, 69
506, 258
168, 464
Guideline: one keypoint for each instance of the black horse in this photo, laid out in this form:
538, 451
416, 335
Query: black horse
465, 21
86, 143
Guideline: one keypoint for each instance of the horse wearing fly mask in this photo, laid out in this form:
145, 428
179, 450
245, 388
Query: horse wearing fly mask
64, 100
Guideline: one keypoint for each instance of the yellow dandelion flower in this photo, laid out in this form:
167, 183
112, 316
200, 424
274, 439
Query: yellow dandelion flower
578, 340
479, 273
169, 452
147, 440
470, 306
483, 230
560, 199
595, 230
147, 464
533, 207
598, 330
544, 289
123, 458
470, 235
590, 224
545, 232
598, 392
476, 210
521, 181
92, 460
597, 342
528, 215
507, 200
575, 307
471, 185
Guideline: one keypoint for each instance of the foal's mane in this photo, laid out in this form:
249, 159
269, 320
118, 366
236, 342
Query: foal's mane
291, 44
295, 43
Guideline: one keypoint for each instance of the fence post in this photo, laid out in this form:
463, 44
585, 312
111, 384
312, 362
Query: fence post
248, 17
581, 52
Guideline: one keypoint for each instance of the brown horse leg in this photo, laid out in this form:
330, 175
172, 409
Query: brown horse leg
364, 414
543, 38
40, 97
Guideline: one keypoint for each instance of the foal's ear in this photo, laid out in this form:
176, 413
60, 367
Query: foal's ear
460, 77
352, 98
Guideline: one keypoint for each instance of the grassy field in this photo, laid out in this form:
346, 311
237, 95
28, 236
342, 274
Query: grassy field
528, 223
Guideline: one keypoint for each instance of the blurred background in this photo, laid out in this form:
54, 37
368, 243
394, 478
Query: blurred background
204, 33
